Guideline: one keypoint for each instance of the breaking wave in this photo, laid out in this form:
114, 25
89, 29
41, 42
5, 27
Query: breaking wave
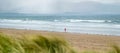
66, 20
88, 21
22, 21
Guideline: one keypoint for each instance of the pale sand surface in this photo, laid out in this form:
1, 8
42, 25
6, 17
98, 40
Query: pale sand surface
78, 41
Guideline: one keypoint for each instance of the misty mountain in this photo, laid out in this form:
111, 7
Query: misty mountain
88, 7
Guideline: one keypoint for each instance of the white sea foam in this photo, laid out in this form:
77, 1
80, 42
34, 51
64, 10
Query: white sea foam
56, 20
41, 22
72, 25
117, 26
10, 21
23, 21
90, 21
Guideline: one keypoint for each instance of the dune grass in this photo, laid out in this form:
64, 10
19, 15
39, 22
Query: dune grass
39, 44
9, 45
115, 49
36, 44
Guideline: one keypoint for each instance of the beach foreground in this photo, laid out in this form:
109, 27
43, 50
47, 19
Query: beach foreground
80, 42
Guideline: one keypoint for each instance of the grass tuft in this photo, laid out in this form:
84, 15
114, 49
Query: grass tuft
115, 49
38, 44
9, 45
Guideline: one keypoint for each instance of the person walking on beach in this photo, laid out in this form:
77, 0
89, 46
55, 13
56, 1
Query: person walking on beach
65, 29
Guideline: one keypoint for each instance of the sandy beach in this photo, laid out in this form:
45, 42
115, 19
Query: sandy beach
80, 42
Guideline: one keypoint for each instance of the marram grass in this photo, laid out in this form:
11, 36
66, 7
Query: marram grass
115, 49
37, 44
9, 45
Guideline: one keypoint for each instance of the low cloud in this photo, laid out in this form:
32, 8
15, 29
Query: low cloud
60, 6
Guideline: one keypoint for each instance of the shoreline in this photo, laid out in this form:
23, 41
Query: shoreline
79, 41
60, 32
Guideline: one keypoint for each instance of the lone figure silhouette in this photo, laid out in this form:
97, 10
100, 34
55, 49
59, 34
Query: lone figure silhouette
65, 29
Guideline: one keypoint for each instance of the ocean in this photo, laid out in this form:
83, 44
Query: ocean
97, 24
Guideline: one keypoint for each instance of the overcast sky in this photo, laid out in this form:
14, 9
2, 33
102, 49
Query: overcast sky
60, 6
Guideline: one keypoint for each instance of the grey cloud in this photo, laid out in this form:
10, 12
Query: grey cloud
92, 7
29, 6
60, 6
